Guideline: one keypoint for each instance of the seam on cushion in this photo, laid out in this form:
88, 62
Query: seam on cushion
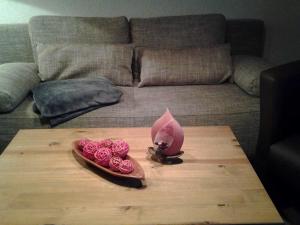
31, 118
173, 115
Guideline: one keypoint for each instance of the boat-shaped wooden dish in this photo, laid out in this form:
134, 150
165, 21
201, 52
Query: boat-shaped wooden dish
137, 173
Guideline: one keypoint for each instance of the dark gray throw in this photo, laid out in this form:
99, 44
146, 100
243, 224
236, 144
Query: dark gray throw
61, 100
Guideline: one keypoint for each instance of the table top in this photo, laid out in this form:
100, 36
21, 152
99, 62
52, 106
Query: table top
42, 182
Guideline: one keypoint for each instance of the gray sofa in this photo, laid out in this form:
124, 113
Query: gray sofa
218, 104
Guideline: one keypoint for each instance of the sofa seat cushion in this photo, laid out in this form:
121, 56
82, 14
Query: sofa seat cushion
284, 160
193, 100
191, 105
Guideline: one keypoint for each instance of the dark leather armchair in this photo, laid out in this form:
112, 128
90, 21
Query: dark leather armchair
278, 150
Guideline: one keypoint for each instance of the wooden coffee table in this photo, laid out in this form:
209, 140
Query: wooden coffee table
41, 182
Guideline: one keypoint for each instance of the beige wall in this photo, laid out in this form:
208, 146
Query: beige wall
282, 17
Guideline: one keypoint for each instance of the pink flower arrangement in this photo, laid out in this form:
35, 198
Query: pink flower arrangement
114, 163
106, 143
102, 156
89, 150
108, 153
82, 143
120, 148
166, 130
126, 166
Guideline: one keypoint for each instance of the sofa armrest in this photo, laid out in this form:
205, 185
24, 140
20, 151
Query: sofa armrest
279, 105
16, 80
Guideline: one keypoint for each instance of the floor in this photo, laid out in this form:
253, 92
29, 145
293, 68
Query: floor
285, 198
292, 216
286, 202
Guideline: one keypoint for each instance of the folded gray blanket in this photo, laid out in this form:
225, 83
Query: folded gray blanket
61, 100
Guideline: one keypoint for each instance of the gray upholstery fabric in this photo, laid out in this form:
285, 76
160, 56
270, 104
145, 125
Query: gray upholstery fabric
191, 105
246, 36
185, 66
178, 31
15, 43
247, 71
16, 80
64, 29
61, 61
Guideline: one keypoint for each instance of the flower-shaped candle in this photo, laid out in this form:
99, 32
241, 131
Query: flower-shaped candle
167, 133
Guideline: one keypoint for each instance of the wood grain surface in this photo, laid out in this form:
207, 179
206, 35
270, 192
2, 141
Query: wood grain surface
42, 182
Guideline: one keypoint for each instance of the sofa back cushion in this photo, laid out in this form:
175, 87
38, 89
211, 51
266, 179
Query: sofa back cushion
246, 37
90, 30
175, 32
15, 43
185, 66
178, 31
65, 61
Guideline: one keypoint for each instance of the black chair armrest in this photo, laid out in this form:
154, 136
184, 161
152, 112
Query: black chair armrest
279, 104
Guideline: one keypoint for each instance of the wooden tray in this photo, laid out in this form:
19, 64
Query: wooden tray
137, 173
